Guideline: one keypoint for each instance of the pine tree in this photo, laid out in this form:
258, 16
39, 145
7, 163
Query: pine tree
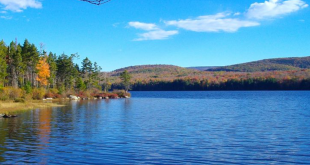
125, 77
96, 75
51, 60
34, 59
19, 65
80, 84
12, 61
3, 65
87, 72
66, 71
26, 61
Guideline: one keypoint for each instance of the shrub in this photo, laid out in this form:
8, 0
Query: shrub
11, 93
121, 93
27, 87
38, 93
28, 96
87, 93
95, 91
58, 96
81, 94
19, 100
61, 89
3, 97
54, 91
103, 95
112, 95
128, 94
49, 95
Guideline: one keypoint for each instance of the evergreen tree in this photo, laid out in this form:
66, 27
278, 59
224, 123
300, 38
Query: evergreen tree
87, 72
66, 71
80, 84
18, 65
51, 60
96, 75
32, 60
3, 65
125, 77
13, 60
26, 48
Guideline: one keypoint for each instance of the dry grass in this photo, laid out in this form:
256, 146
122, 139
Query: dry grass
10, 106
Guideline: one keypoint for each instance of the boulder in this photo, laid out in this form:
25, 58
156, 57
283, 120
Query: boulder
72, 97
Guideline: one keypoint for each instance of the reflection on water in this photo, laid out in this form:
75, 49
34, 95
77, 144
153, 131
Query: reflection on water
164, 128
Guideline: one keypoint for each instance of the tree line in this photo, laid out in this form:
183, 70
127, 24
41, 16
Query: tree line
231, 84
24, 66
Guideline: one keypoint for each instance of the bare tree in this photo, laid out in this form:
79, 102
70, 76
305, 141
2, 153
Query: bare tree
97, 2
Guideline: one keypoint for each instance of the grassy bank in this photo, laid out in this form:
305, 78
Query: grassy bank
15, 99
10, 106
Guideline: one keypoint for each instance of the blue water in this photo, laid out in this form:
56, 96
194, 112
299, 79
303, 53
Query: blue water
164, 128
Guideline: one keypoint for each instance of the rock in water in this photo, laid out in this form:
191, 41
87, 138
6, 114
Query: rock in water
9, 116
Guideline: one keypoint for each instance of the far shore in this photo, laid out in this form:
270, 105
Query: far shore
8, 107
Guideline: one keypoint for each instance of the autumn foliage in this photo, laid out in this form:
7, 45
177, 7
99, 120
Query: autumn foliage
43, 71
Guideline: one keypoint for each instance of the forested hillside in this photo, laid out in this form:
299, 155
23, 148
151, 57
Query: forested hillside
202, 68
163, 72
154, 69
168, 77
279, 64
269, 80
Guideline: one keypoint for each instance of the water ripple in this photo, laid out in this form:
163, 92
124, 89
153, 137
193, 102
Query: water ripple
164, 128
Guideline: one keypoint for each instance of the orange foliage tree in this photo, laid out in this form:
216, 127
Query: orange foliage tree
43, 71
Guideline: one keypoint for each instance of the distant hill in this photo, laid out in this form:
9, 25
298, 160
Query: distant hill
153, 69
162, 72
202, 68
172, 72
276, 64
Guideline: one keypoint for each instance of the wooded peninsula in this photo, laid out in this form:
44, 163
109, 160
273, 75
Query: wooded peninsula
27, 73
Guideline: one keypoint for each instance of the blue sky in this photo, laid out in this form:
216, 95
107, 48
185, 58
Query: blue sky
179, 32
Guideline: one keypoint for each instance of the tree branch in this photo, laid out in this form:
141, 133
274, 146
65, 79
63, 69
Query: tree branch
96, 2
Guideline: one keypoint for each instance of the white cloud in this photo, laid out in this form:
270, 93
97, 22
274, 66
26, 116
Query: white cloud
222, 22
153, 31
236, 14
3, 12
20, 5
274, 8
143, 26
6, 17
212, 23
156, 35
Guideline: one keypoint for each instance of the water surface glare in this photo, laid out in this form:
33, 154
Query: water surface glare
165, 128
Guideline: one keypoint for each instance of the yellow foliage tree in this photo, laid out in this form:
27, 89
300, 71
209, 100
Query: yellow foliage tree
43, 71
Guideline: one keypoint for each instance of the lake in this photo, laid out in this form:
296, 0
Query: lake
263, 127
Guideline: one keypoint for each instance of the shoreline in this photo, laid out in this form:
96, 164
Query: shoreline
7, 107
